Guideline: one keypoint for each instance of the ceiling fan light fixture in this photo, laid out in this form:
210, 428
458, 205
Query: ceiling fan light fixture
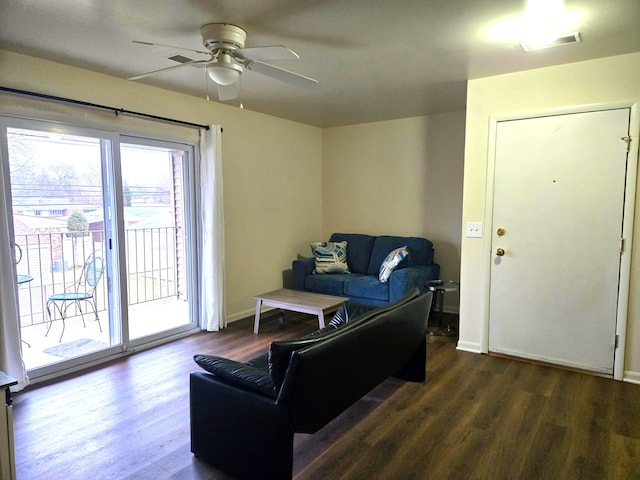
224, 71
224, 74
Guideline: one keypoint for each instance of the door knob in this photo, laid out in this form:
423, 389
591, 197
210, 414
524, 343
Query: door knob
500, 252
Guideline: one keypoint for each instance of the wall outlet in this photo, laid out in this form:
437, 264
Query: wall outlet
474, 229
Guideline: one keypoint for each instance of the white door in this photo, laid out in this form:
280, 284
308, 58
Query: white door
557, 218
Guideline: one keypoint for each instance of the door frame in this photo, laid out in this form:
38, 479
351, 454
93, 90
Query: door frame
116, 275
627, 223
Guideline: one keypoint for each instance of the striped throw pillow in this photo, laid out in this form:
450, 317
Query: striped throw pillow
331, 257
391, 262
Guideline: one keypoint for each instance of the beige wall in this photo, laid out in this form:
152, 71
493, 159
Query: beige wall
271, 167
613, 79
400, 177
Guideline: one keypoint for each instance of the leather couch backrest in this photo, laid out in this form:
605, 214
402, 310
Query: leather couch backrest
325, 378
280, 350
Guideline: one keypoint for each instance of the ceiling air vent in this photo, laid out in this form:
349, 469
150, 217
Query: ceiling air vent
558, 42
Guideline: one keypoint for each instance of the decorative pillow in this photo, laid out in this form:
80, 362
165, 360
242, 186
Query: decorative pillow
391, 262
331, 257
345, 314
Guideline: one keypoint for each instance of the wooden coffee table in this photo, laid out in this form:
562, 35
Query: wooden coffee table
298, 301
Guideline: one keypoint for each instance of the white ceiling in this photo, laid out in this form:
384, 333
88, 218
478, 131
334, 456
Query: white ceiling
374, 59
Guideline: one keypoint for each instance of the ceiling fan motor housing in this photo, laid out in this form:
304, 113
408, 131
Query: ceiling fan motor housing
223, 36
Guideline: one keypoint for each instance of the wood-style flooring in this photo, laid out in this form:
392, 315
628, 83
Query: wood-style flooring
476, 417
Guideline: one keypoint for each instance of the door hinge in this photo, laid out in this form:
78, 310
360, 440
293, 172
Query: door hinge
622, 245
627, 140
616, 338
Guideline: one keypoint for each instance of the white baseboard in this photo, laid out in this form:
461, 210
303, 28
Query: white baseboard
631, 377
250, 313
472, 347
240, 315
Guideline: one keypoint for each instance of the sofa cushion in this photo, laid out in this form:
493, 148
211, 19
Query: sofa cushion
328, 284
330, 257
391, 262
420, 251
359, 248
367, 286
241, 374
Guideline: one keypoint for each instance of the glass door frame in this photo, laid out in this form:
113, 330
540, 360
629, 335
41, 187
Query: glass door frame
188, 175
115, 274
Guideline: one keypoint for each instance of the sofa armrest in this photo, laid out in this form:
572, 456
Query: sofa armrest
243, 433
239, 374
301, 268
405, 279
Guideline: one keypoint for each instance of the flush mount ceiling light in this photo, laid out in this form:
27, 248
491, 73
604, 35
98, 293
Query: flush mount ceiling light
543, 24
556, 42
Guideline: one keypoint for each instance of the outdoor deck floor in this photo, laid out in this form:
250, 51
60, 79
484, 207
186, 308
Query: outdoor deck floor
144, 319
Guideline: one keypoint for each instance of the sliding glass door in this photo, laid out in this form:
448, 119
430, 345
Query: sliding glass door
101, 229
60, 230
155, 204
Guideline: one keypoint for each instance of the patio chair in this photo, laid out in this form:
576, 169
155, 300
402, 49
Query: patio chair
81, 291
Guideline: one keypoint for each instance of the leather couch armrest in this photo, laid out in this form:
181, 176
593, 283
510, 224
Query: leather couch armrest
243, 433
301, 268
239, 374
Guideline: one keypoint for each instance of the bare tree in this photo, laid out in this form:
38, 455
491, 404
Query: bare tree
77, 226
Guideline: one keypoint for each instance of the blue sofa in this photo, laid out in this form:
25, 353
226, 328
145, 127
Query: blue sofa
365, 254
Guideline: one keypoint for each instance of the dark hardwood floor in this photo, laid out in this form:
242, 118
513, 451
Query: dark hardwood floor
476, 417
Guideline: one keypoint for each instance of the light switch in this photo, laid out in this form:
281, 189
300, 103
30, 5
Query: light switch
474, 229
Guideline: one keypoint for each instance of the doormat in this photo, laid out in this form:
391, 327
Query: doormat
76, 348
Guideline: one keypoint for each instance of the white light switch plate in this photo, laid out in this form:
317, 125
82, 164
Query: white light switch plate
474, 229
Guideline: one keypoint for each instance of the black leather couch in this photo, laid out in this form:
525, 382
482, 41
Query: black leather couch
244, 415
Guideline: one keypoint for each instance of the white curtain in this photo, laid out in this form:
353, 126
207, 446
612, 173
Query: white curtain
212, 305
11, 361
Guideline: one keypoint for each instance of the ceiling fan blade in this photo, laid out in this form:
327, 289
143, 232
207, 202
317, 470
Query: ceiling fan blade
149, 44
273, 52
227, 92
281, 74
143, 75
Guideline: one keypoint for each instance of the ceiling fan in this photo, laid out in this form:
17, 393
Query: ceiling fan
227, 58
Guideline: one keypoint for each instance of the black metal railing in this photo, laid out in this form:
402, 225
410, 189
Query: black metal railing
52, 262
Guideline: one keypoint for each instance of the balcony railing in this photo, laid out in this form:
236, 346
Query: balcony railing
54, 262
